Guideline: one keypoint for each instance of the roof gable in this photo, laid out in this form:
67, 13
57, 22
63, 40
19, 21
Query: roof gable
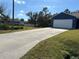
64, 16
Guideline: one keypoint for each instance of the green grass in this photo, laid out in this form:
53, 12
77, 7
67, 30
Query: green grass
28, 28
56, 47
9, 31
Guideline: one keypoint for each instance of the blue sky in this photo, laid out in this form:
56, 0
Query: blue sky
54, 6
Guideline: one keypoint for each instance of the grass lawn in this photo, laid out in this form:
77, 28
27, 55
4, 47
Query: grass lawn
57, 47
8, 31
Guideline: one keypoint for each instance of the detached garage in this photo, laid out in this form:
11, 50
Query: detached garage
64, 20
65, 23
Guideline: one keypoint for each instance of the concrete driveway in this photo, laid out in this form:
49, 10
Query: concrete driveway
15, 45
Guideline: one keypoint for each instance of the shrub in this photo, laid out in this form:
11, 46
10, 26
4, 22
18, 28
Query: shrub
10, 27
21, 27
16, 27
4, 27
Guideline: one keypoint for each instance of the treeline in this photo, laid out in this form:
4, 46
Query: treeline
40, 19
7, 23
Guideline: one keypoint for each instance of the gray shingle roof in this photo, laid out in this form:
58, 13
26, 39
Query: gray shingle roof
63, 15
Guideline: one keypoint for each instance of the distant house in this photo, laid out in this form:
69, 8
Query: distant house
64, 20
16, 22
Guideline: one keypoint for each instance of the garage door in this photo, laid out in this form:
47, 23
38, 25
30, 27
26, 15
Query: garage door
64, 23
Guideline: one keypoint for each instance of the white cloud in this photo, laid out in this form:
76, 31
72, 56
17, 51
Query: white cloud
20, 1
20, 14
21, 11
23, 2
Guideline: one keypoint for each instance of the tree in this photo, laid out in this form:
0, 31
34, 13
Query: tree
67, 11
41, 19
44, 17
3, 15
29, 14
2, 10
6, 18
45, 10
32, 17
22, 20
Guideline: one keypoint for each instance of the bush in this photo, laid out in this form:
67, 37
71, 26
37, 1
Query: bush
4, 27
16, 27
21, 27
10, 27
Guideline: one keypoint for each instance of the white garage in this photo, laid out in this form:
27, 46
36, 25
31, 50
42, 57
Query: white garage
63, 23
64, 20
